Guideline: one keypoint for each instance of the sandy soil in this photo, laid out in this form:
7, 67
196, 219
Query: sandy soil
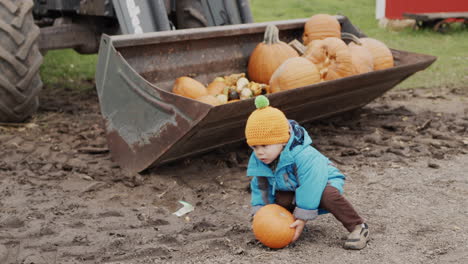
63, 200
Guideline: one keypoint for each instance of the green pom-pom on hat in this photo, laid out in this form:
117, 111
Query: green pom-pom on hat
261, 102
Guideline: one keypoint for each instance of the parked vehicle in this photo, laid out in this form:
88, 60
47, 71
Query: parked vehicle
29, 28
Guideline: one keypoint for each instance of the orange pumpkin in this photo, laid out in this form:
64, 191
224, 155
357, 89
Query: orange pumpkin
209, 99
271, 226
332, 57
321, 26
294, 73
381, 54
361, 57
189, 87
268, 56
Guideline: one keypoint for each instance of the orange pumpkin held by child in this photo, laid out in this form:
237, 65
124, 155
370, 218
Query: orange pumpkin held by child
271, 226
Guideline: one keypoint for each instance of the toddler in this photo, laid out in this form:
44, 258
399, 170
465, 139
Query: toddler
288, 171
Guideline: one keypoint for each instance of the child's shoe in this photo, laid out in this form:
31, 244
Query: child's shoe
358, 238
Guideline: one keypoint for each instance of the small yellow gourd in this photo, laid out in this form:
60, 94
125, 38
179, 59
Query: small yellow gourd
189, 87
216, 86
209, 99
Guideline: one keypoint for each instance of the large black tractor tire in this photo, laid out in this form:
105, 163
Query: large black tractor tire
20, 60
204, 13
190, 14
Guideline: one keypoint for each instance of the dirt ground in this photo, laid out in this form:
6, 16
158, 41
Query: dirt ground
63, 200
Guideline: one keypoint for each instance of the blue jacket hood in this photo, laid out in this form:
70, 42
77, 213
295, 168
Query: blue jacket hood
298, 140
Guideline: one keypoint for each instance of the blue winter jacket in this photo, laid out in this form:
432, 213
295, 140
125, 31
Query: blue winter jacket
301, 168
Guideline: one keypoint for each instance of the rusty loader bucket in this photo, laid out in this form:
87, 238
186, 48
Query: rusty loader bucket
147, 125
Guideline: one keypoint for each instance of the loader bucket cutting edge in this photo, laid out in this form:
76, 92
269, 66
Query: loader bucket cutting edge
147, 125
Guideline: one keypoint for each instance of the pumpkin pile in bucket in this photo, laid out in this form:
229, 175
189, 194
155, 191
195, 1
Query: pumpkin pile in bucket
276, 66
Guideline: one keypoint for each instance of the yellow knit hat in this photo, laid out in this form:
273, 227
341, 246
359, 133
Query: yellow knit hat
266, 125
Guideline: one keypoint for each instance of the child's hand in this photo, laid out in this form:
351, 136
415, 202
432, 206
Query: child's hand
299, 225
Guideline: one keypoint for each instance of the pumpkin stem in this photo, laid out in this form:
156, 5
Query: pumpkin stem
298, 46
271, 35
349, 36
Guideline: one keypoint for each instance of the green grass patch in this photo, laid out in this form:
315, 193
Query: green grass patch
451, 49
68, 68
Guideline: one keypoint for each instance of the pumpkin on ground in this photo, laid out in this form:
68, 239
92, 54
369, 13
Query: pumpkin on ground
271, 226
268, 56
294, 73
189, 87
332, 57
381, 54
321, 26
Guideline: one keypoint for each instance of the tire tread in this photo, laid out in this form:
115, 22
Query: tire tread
20, 61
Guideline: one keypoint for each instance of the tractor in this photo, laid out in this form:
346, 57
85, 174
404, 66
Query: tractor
28, 29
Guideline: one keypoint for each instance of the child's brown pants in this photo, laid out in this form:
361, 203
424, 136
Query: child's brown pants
332, 201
